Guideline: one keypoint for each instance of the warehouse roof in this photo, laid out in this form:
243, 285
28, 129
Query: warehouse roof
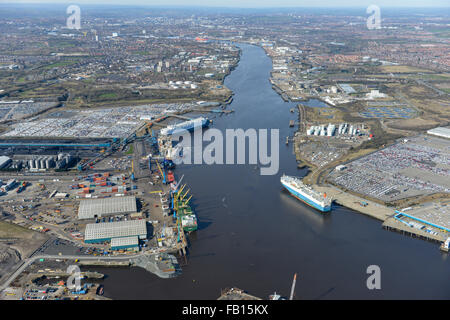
109, 230
4, 160
440, 131
124, 242
107, 206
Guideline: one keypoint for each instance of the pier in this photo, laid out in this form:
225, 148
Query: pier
395, 225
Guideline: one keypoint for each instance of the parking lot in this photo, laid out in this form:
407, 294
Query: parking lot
412, 167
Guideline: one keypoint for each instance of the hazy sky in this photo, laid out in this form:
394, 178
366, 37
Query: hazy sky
255, 3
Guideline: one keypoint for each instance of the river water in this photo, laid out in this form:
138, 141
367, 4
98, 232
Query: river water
255, 236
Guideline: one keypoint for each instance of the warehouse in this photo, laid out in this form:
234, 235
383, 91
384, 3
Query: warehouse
125, 243
4, 161
90, 209
102, 232
440, 132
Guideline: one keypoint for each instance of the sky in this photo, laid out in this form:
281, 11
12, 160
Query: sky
254, 3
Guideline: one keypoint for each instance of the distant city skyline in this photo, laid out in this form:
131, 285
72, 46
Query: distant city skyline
249, 3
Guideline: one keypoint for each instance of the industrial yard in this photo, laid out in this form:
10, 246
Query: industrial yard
101, 123
133, 208
411, 167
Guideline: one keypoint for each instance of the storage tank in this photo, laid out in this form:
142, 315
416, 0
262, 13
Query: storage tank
330, 129
61, 164
316, 130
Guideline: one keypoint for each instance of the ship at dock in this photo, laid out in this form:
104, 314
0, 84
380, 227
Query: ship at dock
306, 194
188, 218
189, 125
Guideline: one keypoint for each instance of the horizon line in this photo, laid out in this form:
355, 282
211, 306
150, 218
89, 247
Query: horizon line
216, 6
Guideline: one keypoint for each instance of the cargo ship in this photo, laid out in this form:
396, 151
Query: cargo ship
188, 219
189, 125
306, 194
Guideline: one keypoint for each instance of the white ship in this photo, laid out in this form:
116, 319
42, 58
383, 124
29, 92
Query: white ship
306, 194
186, 125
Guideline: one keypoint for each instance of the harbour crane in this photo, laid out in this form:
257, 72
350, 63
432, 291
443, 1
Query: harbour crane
132, 170
294, 281
162, 172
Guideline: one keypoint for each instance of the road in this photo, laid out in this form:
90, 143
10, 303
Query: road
26, 263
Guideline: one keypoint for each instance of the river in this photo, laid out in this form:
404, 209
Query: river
254, 236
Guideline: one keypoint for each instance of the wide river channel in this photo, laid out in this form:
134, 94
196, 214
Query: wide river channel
255, 236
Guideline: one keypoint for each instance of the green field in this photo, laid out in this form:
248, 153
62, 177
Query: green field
110, 95
10, 230
130, 149
60, 64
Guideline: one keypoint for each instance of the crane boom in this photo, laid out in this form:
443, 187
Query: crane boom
293, 287
187, 201
181, 190
182, 197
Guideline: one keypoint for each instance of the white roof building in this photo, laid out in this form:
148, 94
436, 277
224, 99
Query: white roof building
440, 132
90, 209
100, 232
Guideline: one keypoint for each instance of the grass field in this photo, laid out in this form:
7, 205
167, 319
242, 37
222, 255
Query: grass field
110, 95
130, 149
10, 230
402, 69
59, 64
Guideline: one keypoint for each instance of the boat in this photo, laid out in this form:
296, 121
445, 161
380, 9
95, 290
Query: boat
276, 296
445, 246
100, 290
188, 218
306, 194
189, 125
170, 177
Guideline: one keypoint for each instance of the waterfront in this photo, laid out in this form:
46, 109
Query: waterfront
255, 236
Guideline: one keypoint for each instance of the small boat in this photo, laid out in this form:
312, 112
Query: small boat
276, 296
100, 290
170, 177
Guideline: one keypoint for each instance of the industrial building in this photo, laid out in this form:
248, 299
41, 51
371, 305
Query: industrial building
125, 243
106, 231
4, 161
348, 89
90, 209
62, 160
440, 132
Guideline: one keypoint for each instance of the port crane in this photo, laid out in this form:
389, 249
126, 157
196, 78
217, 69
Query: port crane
294, 281
163, 175
132, 170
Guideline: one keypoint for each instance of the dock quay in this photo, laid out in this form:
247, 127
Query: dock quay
104, 263
367, 207
214, 110
394, 225
236, 294
380, 212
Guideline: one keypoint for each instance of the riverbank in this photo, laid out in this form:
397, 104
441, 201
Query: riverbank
364, 206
